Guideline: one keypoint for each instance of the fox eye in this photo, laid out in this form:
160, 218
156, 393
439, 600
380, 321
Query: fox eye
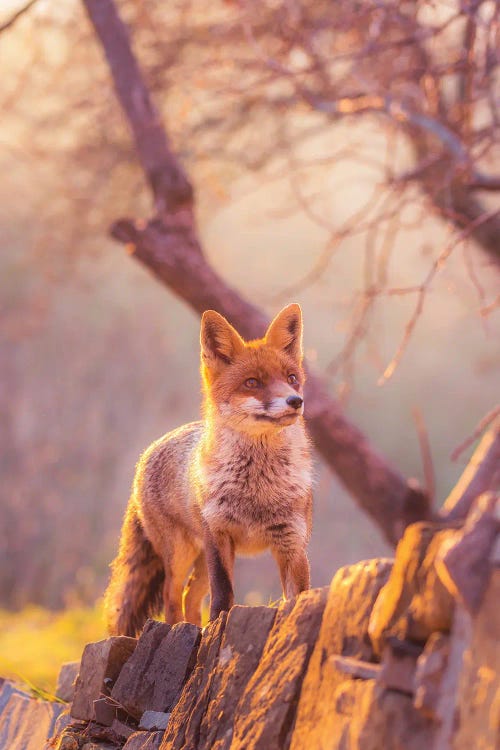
292, 379
252, 383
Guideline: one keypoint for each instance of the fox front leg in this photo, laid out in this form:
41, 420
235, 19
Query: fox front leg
219, 552
294, 571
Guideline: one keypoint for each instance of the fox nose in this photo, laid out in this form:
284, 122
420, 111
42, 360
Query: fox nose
295, 401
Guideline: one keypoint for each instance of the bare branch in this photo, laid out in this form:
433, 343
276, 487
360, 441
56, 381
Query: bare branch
434, 270
165, 175
488, 309
478, 431
425, 452
481, 475
396, 110
480, 181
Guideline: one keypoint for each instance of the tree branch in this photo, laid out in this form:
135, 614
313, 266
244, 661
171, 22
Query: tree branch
169, 246
467, 211
479, 181
166, 177
485, 422
421, 127
481, 474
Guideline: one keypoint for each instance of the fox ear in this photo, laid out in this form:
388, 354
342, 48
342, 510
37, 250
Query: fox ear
218, 339
285, 332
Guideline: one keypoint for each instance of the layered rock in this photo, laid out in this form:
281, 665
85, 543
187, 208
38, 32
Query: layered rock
100, 666
245, 636
153, 677
344, 632
25, 723
265, 713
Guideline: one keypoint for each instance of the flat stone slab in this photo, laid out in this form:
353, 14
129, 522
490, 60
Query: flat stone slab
144, 741
105, 711
130, 690
246, 632
429, 673
414, 602
65, 688
26, 723
122, 729
469, 699
153, 720
369, 717
60, 724
464, 561
343, 632
398, 668
153, 678
101, 664
357, 668
184, 725
6, 690
266, 711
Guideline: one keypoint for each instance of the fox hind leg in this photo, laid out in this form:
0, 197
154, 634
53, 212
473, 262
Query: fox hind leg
177, 566
196, 589
171, 598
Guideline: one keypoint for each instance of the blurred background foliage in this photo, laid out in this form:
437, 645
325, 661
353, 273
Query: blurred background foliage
36, 641
98, 359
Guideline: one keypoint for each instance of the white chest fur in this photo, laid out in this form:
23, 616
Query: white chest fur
253, 483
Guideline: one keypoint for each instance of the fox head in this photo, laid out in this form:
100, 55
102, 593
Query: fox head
253, 386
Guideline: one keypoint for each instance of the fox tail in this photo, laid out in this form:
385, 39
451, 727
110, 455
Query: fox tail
135, 591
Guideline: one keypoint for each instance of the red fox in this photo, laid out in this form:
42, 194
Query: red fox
238, 481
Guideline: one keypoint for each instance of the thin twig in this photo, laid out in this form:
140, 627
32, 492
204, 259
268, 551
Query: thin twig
434, 270
484, 311
425, 452
478, 431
